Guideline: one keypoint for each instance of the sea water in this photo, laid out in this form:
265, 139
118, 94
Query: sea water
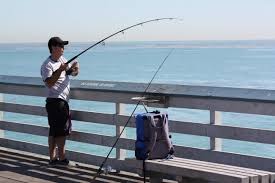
242, 64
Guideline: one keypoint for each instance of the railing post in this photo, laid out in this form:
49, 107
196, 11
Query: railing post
215, 119
2, 133
120, 108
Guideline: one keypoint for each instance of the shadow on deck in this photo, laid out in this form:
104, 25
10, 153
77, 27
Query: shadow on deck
20, 167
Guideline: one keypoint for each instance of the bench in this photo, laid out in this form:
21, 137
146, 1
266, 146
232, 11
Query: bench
195, 171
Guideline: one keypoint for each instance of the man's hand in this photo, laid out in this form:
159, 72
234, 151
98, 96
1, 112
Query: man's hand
74, 70
63, 67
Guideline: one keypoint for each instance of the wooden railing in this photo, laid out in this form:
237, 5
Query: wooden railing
212, 99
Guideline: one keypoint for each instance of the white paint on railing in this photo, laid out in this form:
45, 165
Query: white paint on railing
215, 119
120, 109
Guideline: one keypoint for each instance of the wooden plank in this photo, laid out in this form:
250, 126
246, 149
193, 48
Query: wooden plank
32, 165
206, 92
95, 117
24, 146
196, 97
23, 109
262, 163
222, 131
122, 119
224, 105
84, 137
17, 89
192, 172
24, 128
104, 96
198, 162
72, 155
265, 176
85, 116
197, 172
253, 178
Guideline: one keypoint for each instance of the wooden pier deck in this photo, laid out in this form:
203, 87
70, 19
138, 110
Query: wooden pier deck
20, 167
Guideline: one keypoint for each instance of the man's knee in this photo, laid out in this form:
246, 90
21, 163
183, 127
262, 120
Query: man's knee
60, 141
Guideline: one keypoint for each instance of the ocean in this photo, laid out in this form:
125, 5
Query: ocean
241, 64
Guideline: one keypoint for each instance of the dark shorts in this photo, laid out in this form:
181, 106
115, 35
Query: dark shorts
58, 117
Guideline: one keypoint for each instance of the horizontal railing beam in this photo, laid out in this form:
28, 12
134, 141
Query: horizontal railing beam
218, 131
28, 90
23, 109
77, 136
223, 105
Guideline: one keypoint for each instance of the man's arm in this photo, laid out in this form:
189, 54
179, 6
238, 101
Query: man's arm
50, 81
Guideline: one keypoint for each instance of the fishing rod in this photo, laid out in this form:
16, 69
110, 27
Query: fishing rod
120, 31
139, 101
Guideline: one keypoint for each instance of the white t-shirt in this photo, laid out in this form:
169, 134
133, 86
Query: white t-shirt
61, 88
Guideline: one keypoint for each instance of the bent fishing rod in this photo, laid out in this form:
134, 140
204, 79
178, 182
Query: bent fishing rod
120, 31
139, 101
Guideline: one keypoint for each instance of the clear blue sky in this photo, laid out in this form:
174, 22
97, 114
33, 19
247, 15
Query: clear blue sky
92, 20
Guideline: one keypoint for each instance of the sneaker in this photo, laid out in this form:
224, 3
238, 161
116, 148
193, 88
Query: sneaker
53, 162
64, 162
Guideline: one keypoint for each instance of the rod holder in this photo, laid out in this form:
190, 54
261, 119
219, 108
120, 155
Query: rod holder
153, 101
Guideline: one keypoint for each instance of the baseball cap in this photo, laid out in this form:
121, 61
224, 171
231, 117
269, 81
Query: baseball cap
56, 41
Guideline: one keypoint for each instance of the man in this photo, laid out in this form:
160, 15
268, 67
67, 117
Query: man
54, 72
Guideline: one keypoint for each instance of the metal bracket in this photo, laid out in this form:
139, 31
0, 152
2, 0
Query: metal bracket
153, 101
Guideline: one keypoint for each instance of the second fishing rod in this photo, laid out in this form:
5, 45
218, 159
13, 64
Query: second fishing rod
138, 103
145, 91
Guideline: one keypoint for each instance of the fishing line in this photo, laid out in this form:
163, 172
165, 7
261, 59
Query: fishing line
143, 95
120, 31
102, 41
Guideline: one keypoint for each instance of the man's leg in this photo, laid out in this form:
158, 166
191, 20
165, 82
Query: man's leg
52, 147
60, 142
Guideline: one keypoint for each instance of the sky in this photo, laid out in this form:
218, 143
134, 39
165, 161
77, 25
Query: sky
92, 20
